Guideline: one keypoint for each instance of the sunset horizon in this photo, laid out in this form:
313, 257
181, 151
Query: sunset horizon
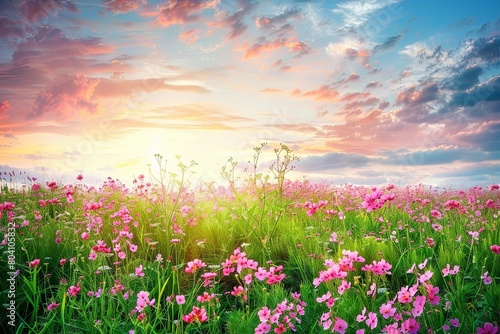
363, 92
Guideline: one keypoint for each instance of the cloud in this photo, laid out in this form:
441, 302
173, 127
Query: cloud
234, 21
466, 79
270, 22
413, 96
10, 28
438, 155
4, 107
486, 48
357, 13
324, 93
36, 10
183, 11
114, 88
65, 97
190, 36
486, 136
352, 77
123, 6
263, 45
333, 160
270, 90
388, 44
349, 48
488, 91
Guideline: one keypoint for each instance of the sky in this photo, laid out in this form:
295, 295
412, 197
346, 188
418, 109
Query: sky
365, 92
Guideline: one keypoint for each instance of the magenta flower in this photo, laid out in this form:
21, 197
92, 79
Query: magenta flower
340, 325
52, 306
194, 265
35, 263
495, 249
74, 290
455, 322
488, 328
372, 320
486, 279
138, 271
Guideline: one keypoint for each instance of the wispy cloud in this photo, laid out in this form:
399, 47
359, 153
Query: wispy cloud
123, 6
183, 11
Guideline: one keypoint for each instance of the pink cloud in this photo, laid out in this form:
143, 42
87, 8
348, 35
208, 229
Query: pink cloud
35, 10
263, 45
123, 6
270, 90
413, 96
190, 36
4, 107
183, 11
65, 97
324, 93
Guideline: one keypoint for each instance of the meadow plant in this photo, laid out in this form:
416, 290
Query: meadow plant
252, 257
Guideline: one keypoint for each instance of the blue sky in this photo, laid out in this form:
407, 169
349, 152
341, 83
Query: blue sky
364, 91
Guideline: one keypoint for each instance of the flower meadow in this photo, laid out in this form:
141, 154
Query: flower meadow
262, 254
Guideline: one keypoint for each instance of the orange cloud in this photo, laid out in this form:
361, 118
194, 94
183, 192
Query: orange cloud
67, 96
123, 6
324, 93
263, 45
183, 11
270, 90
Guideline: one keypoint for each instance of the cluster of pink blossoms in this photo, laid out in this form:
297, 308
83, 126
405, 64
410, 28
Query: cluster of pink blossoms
376, 200
284, 317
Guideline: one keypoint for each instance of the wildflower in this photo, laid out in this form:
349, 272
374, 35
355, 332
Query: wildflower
133, 248
180, 299
495, 249
410, 326
264, 314
372, 320
196, 315
361, 317
340, 325
35, 263
447, 271
387, 310
74, 290
205, 297
486, 279
455, 322
488, 328
262, 328
52, 306
62, 262
194, 265
138, 271
85, 235
92, 255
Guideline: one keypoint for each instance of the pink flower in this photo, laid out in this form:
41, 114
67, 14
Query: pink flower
410, 326
85, 235
74, 290
138, 271
372, 320
52, 306
35, 263
486, 279
488, 328
340, 325
495, 249
62, 262
180, 299
264, 314
133, 248
194, 265
197, 315
92, 255
455, 322
387, 310
262, 328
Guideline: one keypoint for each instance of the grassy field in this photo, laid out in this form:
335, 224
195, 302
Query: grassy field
259, 255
